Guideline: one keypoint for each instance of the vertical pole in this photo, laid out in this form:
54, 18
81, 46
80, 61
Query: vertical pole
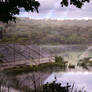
39, 72
14, 52
39, 55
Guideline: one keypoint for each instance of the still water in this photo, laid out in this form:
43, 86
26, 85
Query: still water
82, 80
71, 53
24, 82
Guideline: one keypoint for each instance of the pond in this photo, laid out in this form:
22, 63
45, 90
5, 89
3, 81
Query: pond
25, 82
80, 79
72, 53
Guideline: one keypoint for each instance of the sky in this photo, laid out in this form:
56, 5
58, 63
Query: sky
51, 9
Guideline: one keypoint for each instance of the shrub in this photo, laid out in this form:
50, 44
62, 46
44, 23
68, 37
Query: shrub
58, 59
57, 87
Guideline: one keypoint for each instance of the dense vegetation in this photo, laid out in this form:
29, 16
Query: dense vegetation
59, 64
9, 8
49, 31
85, 63
57, 87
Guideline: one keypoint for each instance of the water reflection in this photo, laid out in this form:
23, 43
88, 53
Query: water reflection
28, 82
81, 79
22, 83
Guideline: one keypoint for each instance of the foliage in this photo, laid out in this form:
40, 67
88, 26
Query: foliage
85, 63
77, 3
41, 67
52, 32
57, 87
9, 8
58, 59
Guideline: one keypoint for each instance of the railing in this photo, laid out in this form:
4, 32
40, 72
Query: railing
25, 51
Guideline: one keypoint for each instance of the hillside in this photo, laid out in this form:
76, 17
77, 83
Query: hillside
49, 31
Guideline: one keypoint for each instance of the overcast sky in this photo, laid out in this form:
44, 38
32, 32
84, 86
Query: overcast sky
51, 9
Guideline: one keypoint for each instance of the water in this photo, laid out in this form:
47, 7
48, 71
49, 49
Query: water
81, 79
70, 53
24, 81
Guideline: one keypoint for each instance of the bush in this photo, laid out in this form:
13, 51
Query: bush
58, 59
85, 63
57, 87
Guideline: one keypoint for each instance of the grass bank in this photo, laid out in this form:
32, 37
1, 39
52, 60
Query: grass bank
41, 67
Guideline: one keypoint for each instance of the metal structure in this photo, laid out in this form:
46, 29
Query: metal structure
17, 54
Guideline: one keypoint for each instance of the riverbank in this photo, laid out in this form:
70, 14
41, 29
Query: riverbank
40, 67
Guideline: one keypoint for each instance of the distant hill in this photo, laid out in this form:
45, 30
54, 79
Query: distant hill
49, 31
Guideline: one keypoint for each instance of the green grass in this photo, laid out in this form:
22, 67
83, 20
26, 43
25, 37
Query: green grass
32, 68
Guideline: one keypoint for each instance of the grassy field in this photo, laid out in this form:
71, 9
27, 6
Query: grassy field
52, 32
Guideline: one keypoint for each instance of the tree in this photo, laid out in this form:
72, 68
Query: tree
77, 3
9, 8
